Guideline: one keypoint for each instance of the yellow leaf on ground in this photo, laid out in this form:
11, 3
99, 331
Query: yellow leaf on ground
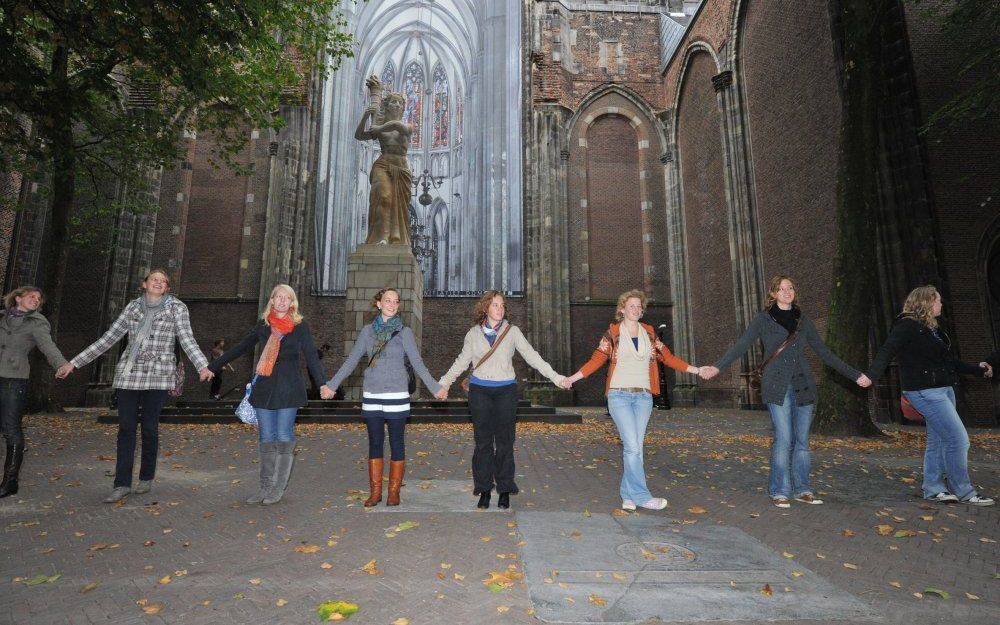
255, 581
165, 579
401, 620
502, 608
847, 533
787, 555
307, 549
884, 530
281, 603
972, 596
697, 510
326, 565
853, 567
370, 568
599, 601
797, 573
895, 584
152, 609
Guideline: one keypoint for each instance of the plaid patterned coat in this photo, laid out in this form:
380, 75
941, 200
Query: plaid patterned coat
155, 363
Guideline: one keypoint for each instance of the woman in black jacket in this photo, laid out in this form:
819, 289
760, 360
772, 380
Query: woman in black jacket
928, 371
278, 388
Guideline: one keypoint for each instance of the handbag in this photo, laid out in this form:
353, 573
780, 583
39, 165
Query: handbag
178, 388
496, 344
756, 378
246, 412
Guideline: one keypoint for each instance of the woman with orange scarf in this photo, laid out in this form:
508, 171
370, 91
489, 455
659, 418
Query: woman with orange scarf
278, 390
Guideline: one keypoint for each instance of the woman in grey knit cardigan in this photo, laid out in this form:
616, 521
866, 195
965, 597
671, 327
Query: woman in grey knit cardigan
787, 387
386, 344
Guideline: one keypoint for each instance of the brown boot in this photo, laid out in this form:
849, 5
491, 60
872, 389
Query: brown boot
396, 470
374, 482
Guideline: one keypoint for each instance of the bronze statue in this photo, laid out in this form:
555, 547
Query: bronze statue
390, 177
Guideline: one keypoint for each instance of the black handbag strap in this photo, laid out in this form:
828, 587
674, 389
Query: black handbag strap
380, 349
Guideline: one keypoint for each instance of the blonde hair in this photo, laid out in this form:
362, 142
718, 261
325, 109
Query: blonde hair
775, 286
483, 305
378, 296
626, 296
10, 301
293, 310
919, 304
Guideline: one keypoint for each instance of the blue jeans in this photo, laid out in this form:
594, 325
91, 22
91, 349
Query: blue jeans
631, 412
791, 440
276, 425
947, 443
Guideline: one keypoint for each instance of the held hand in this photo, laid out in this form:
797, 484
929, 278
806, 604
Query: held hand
204, 375
326, 393
63, 372
442, 393
987, 369
864, 381
567, 383
707, 373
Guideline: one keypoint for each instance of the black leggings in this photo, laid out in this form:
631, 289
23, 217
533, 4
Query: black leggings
376, 437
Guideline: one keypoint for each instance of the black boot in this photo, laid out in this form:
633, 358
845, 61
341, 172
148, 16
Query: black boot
11, 469
484, 500
503, 501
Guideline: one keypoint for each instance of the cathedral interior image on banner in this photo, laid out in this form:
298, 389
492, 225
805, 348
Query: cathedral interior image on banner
457, 64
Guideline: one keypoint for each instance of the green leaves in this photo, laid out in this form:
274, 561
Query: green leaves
944, 594
41, 579
328, 609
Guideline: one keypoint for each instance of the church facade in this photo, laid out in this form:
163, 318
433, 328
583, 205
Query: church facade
564, 152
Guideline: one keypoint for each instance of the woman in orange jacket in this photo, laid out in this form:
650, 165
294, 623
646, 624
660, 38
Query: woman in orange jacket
632, 350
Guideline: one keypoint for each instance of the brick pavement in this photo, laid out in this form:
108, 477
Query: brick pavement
232, 563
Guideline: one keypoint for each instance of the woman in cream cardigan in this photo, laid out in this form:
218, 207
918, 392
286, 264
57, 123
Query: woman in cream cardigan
493, 394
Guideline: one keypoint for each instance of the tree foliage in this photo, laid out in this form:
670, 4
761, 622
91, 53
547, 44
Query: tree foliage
96, 94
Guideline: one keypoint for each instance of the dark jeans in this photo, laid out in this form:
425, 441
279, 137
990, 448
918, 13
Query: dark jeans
216, 384
494, 416
133, 407
376, 437
13, 392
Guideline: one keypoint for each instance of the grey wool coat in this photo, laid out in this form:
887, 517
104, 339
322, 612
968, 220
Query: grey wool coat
790, 368
18, 339
155, 363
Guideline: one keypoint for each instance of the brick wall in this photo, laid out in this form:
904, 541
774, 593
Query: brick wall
706, 221
964, 171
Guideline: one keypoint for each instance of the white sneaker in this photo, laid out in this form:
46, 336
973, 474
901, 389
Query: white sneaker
628, 504
656, 503
943, 497
976, 500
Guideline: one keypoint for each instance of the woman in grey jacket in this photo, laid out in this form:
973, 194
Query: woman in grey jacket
23, 328
386, 345
787, 388
154, 321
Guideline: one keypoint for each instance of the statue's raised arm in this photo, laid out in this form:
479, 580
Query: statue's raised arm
390, 177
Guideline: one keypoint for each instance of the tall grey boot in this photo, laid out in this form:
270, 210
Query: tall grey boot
282, 471
268, 453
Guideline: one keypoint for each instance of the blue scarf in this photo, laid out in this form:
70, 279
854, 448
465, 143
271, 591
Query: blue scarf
491, 334
383, 330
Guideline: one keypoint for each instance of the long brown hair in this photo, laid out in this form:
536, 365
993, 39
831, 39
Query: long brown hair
919, 304
775, 286
483, 305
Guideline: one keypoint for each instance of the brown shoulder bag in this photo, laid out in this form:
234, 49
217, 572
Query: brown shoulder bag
496, 344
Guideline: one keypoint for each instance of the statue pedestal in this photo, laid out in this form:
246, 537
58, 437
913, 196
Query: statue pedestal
370, 269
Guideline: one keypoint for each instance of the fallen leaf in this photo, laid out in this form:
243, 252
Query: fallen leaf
904, 533
165, 579
944, 594
766, 590
787, 555
281, 603
502, 608
619, 577
255, 581
895, 584
697, 510
88, 587
598, 601
152, 609
148, 543
972, 596
586, 513
884, 530
370, 568
401, 620
307, 549
797, 573
326, 565
42, 579
853, 567
847, 533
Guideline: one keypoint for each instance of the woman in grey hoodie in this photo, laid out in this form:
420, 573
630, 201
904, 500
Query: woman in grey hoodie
24, 328
386, 345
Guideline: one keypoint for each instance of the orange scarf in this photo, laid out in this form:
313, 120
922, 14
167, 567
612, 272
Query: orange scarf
280, 326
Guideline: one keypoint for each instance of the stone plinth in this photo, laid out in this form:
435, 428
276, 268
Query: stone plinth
370, 269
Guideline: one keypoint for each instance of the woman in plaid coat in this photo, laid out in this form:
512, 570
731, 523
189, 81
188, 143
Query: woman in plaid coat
144, 374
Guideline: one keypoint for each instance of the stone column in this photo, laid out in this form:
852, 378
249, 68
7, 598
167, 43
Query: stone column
744, 235
370, 269
680, 287
547, 251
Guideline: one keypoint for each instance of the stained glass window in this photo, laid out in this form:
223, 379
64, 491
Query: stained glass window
441, 111
388, 77
413, 90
